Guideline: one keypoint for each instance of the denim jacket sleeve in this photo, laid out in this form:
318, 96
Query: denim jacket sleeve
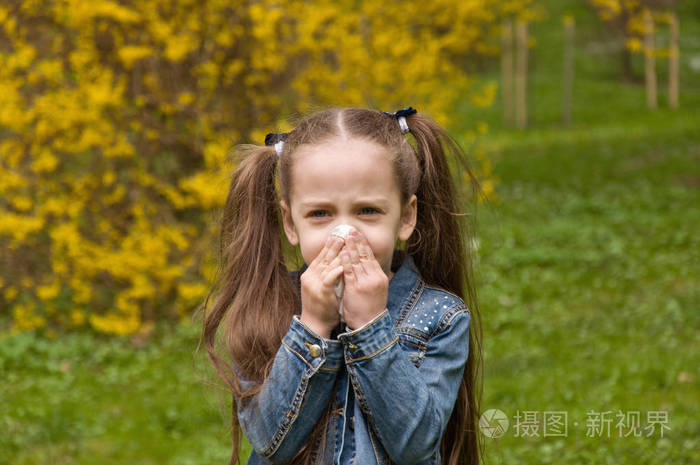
278, 420
408, 407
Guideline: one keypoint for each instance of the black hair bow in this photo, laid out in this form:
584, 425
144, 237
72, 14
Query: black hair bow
405, 112
272, 138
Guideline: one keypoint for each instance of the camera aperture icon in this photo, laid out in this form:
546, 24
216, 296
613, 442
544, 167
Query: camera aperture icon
493, 423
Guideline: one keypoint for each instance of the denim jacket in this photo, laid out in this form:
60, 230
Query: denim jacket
392, 383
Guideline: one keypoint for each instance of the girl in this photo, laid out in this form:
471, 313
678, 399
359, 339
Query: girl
395, 382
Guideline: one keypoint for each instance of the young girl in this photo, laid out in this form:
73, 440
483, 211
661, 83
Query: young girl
395, 381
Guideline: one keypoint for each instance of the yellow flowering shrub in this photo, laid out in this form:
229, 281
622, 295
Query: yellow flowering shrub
627, 17
116, 119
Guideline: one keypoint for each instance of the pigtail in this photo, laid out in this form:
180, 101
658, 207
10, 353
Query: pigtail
446, 260
255, 296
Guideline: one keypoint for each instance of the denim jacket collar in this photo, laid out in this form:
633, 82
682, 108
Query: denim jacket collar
402, 283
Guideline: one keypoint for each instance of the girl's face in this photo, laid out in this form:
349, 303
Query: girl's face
346, 181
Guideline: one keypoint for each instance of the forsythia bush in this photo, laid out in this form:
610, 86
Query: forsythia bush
116, 119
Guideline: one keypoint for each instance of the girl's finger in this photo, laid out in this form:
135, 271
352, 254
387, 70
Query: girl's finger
362, 245
355, 255
333, 273
323, 253
331, 250
365, 251
374, 267
348, 271
335, 263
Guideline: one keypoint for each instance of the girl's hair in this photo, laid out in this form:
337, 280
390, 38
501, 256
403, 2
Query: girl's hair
256, 297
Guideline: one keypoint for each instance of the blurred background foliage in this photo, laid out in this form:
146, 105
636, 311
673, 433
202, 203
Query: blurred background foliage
116, 119
626, 19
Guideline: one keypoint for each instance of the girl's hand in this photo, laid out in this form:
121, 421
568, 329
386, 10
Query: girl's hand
319, 305
366, 284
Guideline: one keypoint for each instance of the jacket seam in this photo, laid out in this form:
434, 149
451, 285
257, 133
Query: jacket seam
410, 302
421, 346
325, 368
381, 349
289, 418
414, 332
300, 356
464, 309
333, 435
447, 317
435, 288
365, 407
374, 446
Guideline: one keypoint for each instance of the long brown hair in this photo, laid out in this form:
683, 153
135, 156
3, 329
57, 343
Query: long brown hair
255, 297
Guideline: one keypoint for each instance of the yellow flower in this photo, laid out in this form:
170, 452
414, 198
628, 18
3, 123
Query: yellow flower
49, 291
191, 291
634, 45
21, 203
46, 162
24, 319
129, 54
77, 317
10, 293
185, 98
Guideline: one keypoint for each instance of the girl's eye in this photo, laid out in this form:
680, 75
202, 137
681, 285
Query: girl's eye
323, 213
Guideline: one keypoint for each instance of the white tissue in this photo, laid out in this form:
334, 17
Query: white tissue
342, 231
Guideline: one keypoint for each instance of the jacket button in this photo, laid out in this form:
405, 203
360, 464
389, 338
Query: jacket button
314, 350
352, 423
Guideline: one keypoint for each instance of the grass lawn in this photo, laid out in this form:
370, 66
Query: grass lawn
588, 284
589, 262
589, 289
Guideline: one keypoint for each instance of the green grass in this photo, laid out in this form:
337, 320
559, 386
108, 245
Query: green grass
588, 284
589, 259
89, 399
589, 288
